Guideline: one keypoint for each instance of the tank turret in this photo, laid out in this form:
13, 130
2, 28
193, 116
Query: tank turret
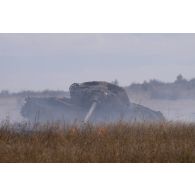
103, 93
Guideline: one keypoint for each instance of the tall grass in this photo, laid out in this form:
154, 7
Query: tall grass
120, 143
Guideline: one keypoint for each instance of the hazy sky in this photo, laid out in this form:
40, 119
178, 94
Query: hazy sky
54, 61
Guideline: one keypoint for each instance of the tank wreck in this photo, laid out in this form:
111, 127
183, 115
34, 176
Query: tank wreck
89, 102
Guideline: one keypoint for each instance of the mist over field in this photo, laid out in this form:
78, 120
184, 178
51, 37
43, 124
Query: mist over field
54, 61
173, 107
173, 110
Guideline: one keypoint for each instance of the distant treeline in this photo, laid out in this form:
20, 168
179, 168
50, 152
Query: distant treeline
45, 93
180, 88
154, 89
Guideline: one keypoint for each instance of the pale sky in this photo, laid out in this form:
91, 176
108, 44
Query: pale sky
54, 61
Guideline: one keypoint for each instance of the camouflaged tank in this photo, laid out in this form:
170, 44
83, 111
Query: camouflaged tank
89, 102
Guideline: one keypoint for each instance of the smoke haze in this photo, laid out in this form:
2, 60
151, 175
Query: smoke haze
55, 61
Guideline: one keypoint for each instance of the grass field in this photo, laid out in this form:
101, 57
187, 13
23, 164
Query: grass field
120, 143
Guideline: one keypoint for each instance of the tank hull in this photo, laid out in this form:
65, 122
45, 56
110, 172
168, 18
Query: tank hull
63, 110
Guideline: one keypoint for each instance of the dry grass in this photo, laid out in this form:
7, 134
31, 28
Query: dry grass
121, 143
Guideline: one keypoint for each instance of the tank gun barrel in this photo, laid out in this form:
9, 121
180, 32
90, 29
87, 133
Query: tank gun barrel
90, 112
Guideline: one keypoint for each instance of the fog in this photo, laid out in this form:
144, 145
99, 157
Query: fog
10, 109
54, 61
173, 110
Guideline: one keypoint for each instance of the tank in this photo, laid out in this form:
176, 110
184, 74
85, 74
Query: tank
89, 102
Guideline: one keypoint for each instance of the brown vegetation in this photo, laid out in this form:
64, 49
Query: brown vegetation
121, 143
